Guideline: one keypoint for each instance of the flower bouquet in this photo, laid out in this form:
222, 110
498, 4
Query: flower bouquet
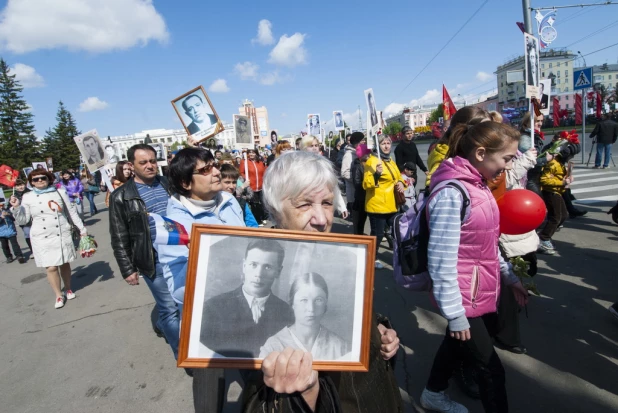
87, 246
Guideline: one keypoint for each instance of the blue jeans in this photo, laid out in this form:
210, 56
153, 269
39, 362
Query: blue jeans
93, 207
603, 147
169, 321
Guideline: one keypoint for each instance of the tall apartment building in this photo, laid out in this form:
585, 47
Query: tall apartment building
259, 122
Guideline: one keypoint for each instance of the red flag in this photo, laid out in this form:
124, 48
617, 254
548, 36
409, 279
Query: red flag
449, 107
556, 112
599, 104
8, 176
521, 26
578, 109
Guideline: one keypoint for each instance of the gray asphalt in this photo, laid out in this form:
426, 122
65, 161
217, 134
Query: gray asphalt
99, 353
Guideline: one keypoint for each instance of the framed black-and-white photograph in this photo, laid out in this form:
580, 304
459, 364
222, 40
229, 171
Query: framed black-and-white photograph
339, 123
112, 153
372, 120
107, 173
91, 149
531, 54
274, 137
250, 292
197, 114
27, 171
545, 96
39, 165
161, 151
243, 132
314, 126
50, 163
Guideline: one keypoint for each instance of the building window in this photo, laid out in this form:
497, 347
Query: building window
550, 65
559, 98
557, 81
566, 89
566, 73
566, 106
542, 74
542, 65
610, 77
558, 64
169, 139
558, 73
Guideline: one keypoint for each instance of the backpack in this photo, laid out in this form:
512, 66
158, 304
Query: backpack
411, 239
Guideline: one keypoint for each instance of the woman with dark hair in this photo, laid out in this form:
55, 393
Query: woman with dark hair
51, 213
91, 188
309, 301
74, 190
124, 172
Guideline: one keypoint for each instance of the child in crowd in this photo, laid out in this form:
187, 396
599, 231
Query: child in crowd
409, 176
229, 180
465, 265
20, 190
357, 172
554, 181
8, 233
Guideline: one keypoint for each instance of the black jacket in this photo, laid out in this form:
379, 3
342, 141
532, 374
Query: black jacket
606, 131
130, 232
408, 152
358, 174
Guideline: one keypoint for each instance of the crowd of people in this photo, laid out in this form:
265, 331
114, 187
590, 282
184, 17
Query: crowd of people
473, 283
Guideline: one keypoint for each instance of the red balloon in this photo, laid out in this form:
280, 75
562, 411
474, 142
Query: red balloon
521, 211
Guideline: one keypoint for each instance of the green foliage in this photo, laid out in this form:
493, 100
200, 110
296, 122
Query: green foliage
436, 114
392, 129
520, 268
18, 144
58, 142
178, 145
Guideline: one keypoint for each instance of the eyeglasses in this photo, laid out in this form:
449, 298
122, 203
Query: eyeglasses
205, 170
39, 178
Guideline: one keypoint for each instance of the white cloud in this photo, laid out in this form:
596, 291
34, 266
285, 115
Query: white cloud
27, 76
284, 115
92, 103
484, 76
289, 51
90, 25
430, 97
246, 70
219, 86
264, 34
271, 78
393, 109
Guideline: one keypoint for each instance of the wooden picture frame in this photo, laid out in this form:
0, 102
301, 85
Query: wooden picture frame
222, 258
198, 134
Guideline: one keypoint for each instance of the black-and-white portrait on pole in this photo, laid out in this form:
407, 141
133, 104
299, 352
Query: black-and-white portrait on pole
111, 153
339, 123
531, 54
254, 295
243, 132
91, 149
197, 114
313, 125
373, 113
544, 95
161, 151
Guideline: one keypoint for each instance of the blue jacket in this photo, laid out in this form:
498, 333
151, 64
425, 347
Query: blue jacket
7, 227
174, 258
250, 220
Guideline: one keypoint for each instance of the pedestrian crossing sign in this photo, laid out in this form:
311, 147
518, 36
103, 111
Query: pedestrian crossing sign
582, 78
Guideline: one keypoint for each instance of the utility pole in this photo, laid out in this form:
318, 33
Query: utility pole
527, 21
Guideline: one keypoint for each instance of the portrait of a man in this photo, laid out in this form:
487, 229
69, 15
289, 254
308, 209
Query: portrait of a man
111, 154
197, 114
91, 150
371, 104
339, 124
242, 130
238, 323
50, 164
532, 65
313, 125
160, 149
544, 95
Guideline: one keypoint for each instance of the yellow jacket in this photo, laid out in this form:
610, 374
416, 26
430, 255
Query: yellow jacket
380, 197
436, 156
552, 177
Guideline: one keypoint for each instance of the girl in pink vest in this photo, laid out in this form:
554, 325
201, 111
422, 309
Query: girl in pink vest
465, 264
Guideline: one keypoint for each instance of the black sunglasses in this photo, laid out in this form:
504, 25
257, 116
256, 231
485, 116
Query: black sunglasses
39, 178
205, 170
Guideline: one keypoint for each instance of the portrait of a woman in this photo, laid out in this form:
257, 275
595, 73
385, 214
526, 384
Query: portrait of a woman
309, 301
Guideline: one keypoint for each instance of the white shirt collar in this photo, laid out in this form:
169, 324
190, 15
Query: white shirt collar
261, 301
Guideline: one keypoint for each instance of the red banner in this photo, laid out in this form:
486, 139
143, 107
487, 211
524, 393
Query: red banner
578, 109
599, 105
556, 113
8, 176
449, 107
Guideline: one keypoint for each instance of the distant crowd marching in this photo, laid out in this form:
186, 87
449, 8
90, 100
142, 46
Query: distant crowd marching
475, 270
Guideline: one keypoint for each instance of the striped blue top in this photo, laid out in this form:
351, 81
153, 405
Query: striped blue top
154, 196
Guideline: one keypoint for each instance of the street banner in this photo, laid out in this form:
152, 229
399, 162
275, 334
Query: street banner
545, 28
447, 103
556, 112
578, 109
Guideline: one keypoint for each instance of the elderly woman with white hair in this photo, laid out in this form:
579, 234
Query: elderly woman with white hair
297, 204
310, 143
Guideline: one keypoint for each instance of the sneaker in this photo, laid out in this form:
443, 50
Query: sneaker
596, 167
440, 402
70, 294
10, 260
379, 265
614, 310
546, 247
59, 302
21, 260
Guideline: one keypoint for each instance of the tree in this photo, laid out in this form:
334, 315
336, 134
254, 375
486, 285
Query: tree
178, 145
436, 114
18, 144
58, 142
393, 129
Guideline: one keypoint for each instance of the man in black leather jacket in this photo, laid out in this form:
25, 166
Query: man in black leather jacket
130, 233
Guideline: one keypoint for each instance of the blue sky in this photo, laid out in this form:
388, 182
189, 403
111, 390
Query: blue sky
117, 64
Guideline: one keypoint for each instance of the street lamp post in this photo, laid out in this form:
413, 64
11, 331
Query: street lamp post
584, 110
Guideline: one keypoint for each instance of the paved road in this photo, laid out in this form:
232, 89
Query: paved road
98, 353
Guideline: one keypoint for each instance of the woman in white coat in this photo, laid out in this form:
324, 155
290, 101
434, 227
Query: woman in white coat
50, 234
